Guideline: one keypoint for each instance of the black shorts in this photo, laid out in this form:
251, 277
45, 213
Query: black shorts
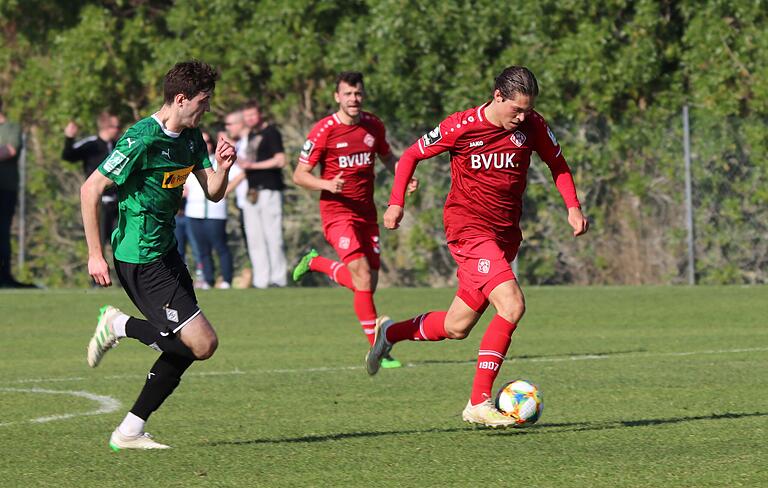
162, 290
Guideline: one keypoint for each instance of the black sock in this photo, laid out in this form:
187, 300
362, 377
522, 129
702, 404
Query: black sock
162, 379
150, 335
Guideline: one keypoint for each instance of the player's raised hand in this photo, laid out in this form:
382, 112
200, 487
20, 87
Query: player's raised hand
336, 184
71, 129
577, 220
225, 153
393, 216
413, 185
99, 270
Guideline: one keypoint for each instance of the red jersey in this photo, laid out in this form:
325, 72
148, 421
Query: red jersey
489, 169
350, 150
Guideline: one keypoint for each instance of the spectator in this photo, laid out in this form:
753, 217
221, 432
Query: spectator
91, 151
208, 223
263, 209
235, 130
10, 147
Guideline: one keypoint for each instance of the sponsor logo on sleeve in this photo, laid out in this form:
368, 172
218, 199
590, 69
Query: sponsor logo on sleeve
484, 266
432, 137
552, 136
340, 145
518, 138
307, 148
174, 179
475, 143
116, 162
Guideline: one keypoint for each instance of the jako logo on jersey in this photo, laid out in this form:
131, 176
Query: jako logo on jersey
518, 138
359, 159
432, 137
174, 179
369, 140
475, 143
344, 242
306, 149
341, 144
493, 160
483, 266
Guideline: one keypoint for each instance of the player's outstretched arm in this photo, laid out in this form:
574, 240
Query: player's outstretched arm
304, 178
90, 200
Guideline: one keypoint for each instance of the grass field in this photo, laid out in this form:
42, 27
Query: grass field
643, 387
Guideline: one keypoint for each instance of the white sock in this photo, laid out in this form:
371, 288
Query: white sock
118, 325
131, 426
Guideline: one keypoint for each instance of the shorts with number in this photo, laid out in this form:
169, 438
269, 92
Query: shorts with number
353, 239
162, 290
484, 264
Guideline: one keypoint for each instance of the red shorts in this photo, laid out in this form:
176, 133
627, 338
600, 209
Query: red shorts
354, 239
484, 264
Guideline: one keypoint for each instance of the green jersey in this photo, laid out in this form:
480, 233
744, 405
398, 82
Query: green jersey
149, 165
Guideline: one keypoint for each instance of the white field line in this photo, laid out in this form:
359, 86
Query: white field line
579, 357
107, 404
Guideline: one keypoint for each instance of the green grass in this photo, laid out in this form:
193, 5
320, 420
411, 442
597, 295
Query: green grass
654, 386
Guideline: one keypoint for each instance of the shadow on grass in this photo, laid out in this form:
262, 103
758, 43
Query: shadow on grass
544, 428
534, 357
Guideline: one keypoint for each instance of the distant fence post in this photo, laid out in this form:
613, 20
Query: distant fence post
688, 196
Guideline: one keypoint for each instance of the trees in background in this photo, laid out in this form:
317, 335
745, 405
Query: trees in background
613, 76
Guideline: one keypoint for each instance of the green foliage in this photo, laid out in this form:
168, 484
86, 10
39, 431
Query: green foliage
613, 76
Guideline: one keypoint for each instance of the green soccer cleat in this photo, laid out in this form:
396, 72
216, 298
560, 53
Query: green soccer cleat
388, 362
103, 338
303, 267
118, 442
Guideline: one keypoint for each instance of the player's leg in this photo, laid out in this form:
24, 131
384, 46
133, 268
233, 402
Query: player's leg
362, 302
456, 323
337, 235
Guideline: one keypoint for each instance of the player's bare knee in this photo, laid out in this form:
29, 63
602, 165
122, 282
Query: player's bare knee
204, 349
512, 311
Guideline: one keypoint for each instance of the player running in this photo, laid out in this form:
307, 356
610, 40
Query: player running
149, 165
345, 145
490, 149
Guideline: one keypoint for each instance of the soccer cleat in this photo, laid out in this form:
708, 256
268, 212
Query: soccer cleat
103, 338
388, 362
380, 347
303, 267
486, 414
119, 441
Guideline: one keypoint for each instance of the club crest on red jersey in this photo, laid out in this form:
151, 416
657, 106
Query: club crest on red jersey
484, 266
369, 140
518, 138
344, 242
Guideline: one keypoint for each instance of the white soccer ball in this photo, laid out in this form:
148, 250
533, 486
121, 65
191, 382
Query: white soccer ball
521, 400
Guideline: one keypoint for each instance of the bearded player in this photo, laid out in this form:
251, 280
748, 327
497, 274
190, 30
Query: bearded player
490, 149
345, 144
149, 165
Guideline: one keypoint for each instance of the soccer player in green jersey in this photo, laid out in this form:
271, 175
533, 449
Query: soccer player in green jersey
149, 165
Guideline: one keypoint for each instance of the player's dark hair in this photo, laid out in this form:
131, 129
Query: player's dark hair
351, 78
516, 79
189, 78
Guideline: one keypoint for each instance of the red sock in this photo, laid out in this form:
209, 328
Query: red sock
493, 347
334, 269
365, 310
426, 327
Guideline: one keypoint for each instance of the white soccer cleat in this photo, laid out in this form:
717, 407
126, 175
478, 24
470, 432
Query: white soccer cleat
103, 338
380, 347
119, 441
486, 414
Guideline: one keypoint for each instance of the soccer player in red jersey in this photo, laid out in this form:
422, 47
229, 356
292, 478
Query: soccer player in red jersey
490, 149
345, 144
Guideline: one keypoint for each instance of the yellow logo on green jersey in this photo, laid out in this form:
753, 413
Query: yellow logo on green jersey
174, 179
